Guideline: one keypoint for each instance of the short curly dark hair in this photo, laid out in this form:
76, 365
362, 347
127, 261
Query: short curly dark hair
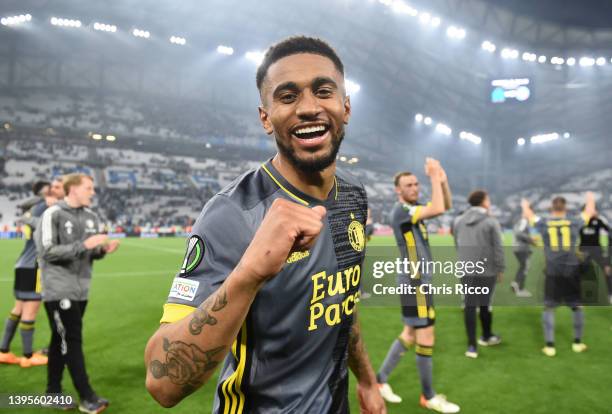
39, 185
293, 46
477, 197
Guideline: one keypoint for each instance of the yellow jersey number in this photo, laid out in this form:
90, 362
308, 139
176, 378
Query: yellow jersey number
562, 233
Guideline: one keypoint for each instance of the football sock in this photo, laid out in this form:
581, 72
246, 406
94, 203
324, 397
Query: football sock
425, 366
395, 353
26, 328
548, 323
10, 327
578, 318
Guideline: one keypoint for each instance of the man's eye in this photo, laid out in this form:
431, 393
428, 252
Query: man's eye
324, 92
287, 98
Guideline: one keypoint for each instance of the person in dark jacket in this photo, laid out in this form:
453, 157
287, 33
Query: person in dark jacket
478, 237
68, 241
594, 254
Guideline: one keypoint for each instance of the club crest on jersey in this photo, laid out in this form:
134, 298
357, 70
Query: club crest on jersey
194, 255
68, 226
89, 223
356, 234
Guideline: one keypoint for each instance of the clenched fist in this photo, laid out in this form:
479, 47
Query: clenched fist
287, 227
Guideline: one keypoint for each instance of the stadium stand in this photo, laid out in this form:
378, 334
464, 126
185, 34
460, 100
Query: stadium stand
141, 188
159, 189
120, 115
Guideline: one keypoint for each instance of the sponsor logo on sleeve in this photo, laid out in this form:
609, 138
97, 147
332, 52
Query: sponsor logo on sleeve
185, 289
194, 255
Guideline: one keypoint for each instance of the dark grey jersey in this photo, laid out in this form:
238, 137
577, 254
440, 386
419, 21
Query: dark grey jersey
27, 258
560, 236
411, 236
291, 353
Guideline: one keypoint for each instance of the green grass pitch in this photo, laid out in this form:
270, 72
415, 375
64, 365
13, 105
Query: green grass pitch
129, 288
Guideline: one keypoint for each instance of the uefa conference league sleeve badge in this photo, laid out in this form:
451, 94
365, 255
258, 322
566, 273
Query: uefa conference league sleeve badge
194, 255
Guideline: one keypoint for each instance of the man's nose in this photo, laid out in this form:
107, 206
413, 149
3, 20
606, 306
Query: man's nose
308, 106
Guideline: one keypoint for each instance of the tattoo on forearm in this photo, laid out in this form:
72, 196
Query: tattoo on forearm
202, 315
185, 364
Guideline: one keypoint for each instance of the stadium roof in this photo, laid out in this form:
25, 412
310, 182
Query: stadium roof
403, 66
592, 14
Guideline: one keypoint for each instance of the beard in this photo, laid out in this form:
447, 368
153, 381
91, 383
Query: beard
312, 163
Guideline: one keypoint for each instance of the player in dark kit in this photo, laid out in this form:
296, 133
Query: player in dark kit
27, 287
590, 247
271, 276
562, 277
418, 314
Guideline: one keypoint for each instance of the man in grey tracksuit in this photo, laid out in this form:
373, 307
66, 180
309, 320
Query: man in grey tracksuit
478, 237
522, 250
67, 240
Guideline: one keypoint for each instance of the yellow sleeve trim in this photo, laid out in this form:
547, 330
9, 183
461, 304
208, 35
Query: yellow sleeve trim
175, 312
38, 288
417, 213
585, 218
27, 232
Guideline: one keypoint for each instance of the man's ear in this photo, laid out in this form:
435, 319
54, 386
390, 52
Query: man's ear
265, 120
347, 109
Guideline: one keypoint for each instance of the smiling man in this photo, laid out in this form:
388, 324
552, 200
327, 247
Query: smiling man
271, 277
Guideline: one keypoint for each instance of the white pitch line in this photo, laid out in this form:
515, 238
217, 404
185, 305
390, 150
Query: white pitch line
121, 274
161, 249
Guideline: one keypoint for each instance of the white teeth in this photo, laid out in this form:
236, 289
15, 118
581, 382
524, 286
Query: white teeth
310, 130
